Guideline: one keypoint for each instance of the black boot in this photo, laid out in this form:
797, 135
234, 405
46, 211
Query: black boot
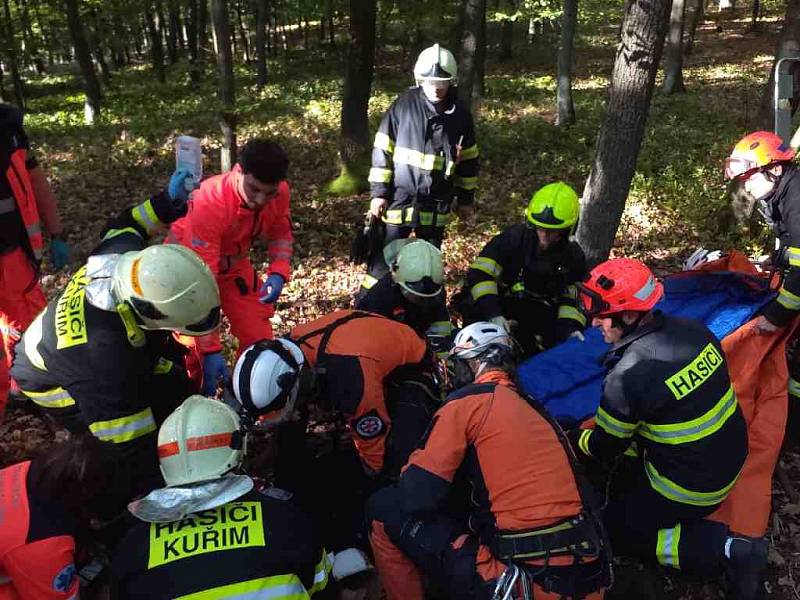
748, 559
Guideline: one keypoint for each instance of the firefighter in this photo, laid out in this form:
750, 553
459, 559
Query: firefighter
46, 504
668, 392
27, 206
374, 371
412, 292
209, 533
226, 215
101, 356
424, 158
762, 164
527, 274
527, 512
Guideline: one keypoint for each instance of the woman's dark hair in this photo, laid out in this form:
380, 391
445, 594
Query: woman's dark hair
75, 472
265, 160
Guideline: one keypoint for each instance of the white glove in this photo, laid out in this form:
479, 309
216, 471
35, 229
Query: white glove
578, 335
348, 562
699, 257
502, 322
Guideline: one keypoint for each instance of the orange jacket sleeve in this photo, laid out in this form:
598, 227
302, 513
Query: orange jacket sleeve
44, 570
278, 233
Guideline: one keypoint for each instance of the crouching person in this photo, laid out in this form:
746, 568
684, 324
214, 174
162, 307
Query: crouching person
527, 514
209, 533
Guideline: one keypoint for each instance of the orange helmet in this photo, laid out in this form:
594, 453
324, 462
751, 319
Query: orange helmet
618, 285
756, 151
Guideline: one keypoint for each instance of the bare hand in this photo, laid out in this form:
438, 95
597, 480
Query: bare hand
378, 206
763, 326
465, 212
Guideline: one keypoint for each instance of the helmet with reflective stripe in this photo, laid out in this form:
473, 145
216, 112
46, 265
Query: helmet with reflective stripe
478, 338
756, 151
169, 287
436, 64
555, 206
619, 285
418, 269
199, 441
266, 378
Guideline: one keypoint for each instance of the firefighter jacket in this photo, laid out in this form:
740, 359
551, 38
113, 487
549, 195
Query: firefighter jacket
19, 212
782, 212
85, 361
385, 298
356, 355
519, 472
511, 263
37, 543
423, 157
255, 546
221, 229
668, 390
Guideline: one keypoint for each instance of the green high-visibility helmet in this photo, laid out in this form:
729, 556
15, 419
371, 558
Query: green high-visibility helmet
555, 206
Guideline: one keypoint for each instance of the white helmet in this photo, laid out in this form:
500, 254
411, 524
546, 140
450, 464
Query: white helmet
200, 440
436, 64
475, 339
169, 287
418, 270
266, 378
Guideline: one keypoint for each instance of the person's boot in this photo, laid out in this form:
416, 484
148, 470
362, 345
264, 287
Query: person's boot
747, 559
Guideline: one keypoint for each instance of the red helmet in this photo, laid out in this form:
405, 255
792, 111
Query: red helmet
756, 151
618, 285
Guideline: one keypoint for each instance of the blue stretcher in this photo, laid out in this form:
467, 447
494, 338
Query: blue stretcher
568, 379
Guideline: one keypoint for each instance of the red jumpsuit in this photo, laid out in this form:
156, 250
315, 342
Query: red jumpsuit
25, 201
37, 546
221, 229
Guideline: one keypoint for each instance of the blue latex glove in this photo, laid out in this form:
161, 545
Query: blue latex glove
271, 289
181, 184
214, 369
59, 253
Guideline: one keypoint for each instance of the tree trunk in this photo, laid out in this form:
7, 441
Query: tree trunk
473, 52
227, 116
331, 27
32, 45
192, 40
673, 63
507, 32
156, 48
202, 36
3, 94
621, 133
172, 31
242, 32
565, 109
354, 142
696, 10
12, 55
261, 41
91, 86
756, 13
788, 45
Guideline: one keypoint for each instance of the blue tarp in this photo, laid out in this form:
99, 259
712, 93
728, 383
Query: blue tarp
567, 379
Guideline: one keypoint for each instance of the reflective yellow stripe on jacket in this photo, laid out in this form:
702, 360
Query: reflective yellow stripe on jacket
487, 265
484, 288
667, 547
565, 311
277, 587
793, 253
56, 397
383, 142
321, 573
677, 493
614, 426
124, 429
788, 300
696, 429
400, 216
145, 216
415, 158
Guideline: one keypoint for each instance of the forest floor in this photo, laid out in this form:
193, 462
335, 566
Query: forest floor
677, 200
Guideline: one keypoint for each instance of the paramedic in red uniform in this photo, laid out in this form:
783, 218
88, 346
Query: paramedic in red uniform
44, 504
527, 509
27, 207
226, 215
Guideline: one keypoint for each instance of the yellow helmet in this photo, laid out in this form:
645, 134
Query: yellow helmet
555, 206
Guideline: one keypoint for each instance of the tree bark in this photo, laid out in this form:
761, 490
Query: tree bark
507, 32
192, 41
91, 86
565, 109
673, 63
473, 53
227, 115
788, 45
202, 35
354, 141
621, 133
261, 41
242, 32
696, 10
12, 55
156, 48
172, 31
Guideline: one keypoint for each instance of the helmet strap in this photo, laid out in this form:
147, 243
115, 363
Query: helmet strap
627, 328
